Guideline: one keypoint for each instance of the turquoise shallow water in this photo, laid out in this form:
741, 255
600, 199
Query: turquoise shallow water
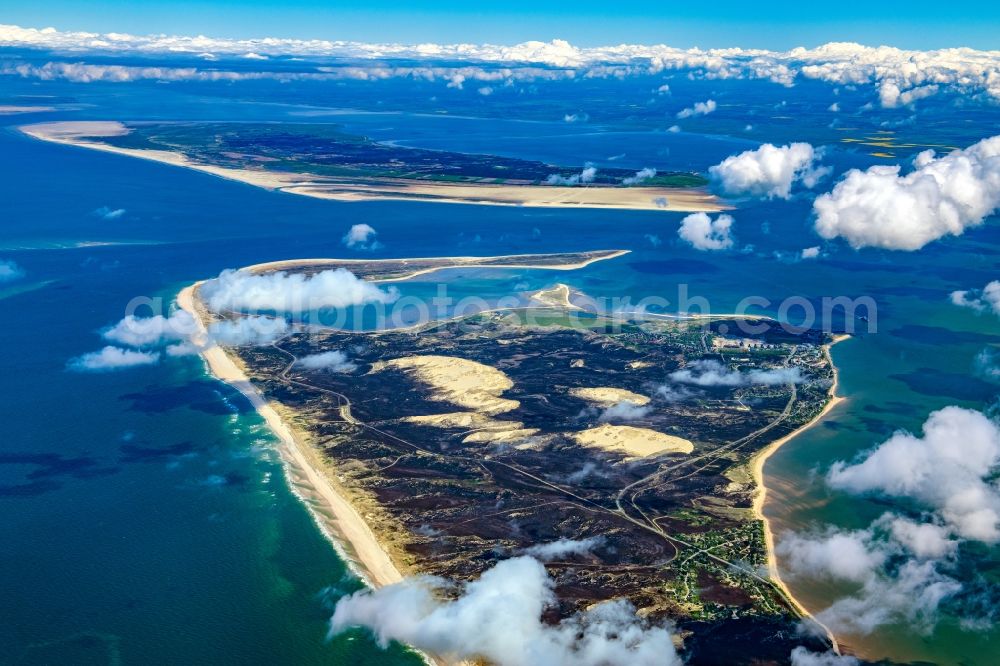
144, 513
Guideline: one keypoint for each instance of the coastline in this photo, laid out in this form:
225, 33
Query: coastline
338, 518
760, 496
350, 533
679, 200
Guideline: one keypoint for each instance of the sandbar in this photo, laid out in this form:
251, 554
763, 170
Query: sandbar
517, 261
10, 109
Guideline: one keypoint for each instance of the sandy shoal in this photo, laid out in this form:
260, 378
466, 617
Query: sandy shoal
342, 519
635, 442
11, 109
606, 396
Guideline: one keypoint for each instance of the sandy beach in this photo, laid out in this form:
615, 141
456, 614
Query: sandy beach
685, 200
760, 499
339, 518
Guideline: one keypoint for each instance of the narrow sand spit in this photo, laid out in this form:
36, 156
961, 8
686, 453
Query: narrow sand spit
524, 261
76, 133
458, 381
606, 396
634, 442
689, 200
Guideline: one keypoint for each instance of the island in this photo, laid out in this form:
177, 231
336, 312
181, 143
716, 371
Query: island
444, 447
325, 162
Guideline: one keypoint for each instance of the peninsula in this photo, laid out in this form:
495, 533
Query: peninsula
444, 447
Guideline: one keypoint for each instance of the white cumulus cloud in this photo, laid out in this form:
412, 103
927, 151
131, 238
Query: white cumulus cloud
586, 176
704, 233
941, 196
624, 411
555, 550
361, 237
950, 469
898, 76
769, 171
333, 361
986, 299
699, 109
291, 292
895, 565
640, 176
708, 372
498, 618
113, 358
151, 331
247, 331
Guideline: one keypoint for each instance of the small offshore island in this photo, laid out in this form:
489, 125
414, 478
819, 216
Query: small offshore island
446, 447
323, 161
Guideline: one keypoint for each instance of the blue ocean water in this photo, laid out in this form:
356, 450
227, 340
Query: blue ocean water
144, 513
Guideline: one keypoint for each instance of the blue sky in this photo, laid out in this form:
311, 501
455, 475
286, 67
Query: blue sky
915, 24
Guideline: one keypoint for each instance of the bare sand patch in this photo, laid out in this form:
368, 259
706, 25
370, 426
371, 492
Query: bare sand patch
482, 428
606, 396
557, 296
454, 420
459, 381
635, 442
498, 436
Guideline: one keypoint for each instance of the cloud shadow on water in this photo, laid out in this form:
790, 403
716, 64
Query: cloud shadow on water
202, 396
48, 471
